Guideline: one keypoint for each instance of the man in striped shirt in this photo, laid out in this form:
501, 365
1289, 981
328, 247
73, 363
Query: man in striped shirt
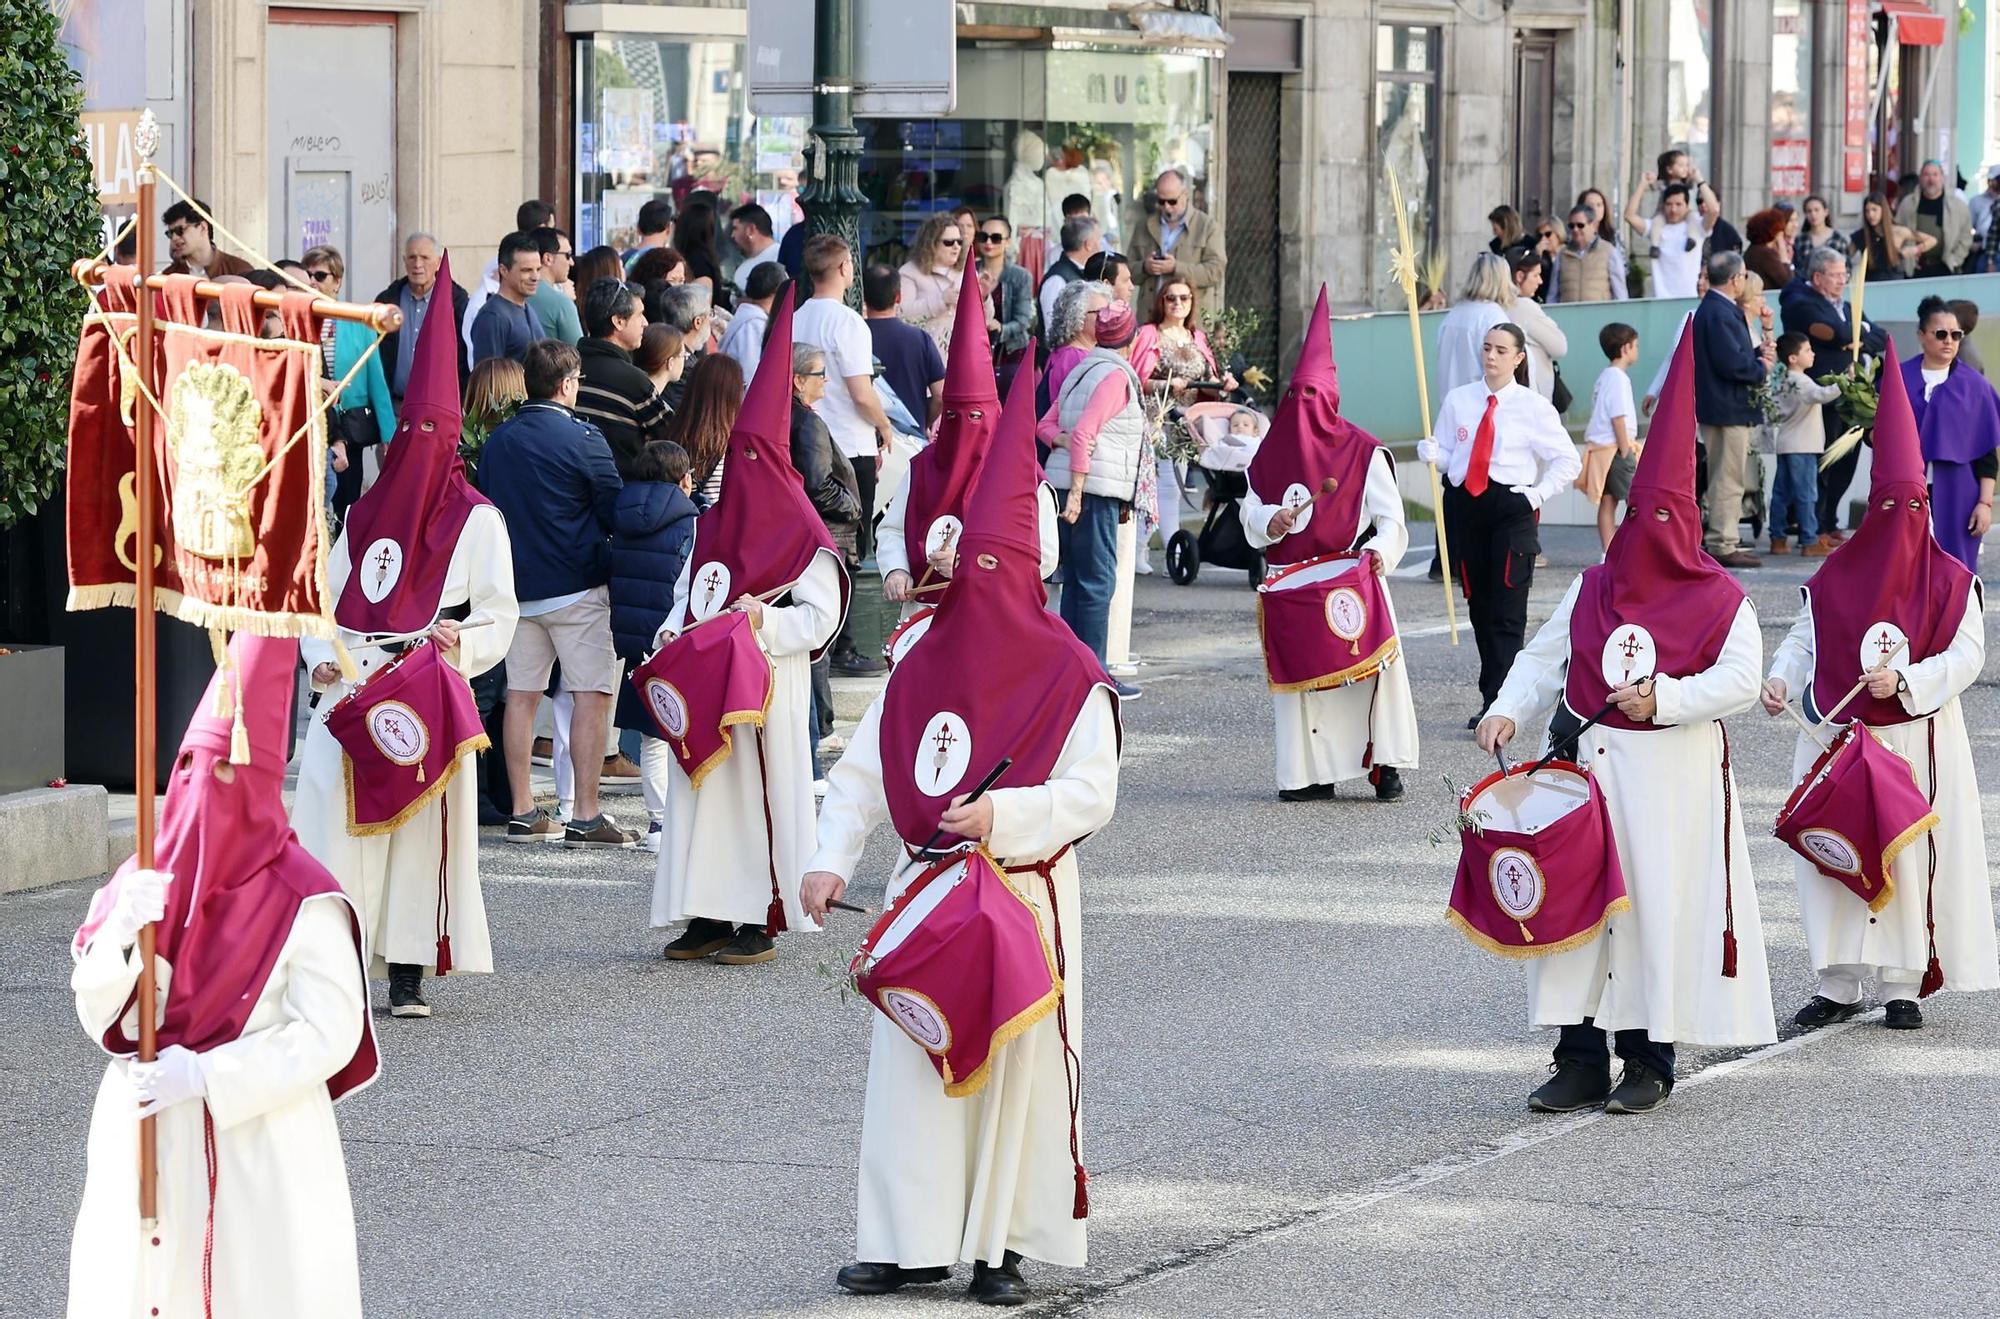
615, 395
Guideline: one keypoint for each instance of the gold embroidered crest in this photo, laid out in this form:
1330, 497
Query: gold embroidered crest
213, 423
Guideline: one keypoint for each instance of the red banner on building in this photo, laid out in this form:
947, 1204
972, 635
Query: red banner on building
1860, 36
1791, 166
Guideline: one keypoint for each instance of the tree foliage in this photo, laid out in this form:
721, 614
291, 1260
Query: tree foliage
49, 198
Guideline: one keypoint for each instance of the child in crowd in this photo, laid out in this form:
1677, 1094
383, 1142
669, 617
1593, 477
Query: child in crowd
1800, 439
651, 531
1246, 423
1611, 438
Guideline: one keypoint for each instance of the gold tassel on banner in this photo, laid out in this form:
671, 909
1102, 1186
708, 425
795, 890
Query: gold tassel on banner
420, 772
239, 736
1524, 931
349, 671
218, 646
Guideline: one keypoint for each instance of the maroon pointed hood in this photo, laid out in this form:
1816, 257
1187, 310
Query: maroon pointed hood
941, 476
402, 534
763, 532
968, 369
996, 675
1309, 443
1658, 604
1890, 580
239, 873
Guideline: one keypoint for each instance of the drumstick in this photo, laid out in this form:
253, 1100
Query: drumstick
1804, 727
1855, 690
1588, 724
1006, 763
837, 905
934, 586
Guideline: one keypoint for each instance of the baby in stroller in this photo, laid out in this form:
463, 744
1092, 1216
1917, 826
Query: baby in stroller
1225, 437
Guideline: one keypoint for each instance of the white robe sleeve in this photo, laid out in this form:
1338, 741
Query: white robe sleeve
316, 651
1944, 675
102, 981
486, 560
855, 802
1792, 663
325, 1005
1256, 517
1383, 507
1728, 687
891, 554
1078, 798
1045, 500
1535, 683
812, 618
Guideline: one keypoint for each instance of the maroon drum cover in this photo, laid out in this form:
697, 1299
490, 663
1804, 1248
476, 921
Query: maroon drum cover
401, 735
702, 684
960, 963
1854, 812
1538, 869
1325, 623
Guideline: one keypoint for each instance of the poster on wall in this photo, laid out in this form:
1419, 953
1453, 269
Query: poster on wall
618, 213
625, 132
1790, 166
1854, 147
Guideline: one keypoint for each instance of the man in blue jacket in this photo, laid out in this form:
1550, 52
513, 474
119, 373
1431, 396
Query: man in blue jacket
550, 474
1728, 365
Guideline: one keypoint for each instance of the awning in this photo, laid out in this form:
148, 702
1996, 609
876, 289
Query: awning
1917, 24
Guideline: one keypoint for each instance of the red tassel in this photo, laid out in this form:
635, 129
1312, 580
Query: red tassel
774, 917
444, 955
1082, 1206
1933, 978
1729, 954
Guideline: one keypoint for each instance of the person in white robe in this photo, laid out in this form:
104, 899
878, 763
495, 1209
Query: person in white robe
892, 554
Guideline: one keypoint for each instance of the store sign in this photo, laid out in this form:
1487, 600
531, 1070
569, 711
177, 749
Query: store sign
1791, 166
1103, 87
905, 58
1854, 150
113, 158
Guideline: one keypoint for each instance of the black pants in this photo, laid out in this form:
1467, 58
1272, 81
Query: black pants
1585, 1044
1493, 547
489, 691
1834, 480
864, 484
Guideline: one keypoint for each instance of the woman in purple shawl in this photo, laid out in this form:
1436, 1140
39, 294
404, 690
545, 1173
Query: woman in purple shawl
1958, 419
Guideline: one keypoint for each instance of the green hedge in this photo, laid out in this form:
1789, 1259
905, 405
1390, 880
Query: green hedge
49, 199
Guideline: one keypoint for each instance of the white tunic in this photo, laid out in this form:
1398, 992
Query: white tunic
284, 1225
1321, 736
948, 1180
892, 554
1659, 968
393, 877
1840, 930
713, 861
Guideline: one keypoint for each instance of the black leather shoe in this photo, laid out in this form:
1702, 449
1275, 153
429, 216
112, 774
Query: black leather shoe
1311, 792
1823, 1011
750, 946
999, 1285
865, 1279
1640, 1090
406, 991
1902, 1014
1388, 783
702, 938
1572, 1086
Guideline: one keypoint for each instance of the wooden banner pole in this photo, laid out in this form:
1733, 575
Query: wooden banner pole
145, 685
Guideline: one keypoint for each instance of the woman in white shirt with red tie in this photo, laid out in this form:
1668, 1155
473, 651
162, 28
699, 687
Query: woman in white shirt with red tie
1504, 453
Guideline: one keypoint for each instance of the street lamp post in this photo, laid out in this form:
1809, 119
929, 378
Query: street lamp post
832, 196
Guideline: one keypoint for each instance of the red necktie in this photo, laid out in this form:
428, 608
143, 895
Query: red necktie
1482, 450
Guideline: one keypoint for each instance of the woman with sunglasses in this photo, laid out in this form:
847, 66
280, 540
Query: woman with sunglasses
931, 278
363, 414
1009, 294
1958, 421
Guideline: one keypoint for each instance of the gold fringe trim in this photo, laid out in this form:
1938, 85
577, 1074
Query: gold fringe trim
1894, 850
756, 720
478, 742
202, 613
1353, 673
1577, 940
1011, 1030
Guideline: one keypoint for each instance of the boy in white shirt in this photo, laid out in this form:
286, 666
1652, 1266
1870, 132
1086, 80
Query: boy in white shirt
1800, 439
1611, 438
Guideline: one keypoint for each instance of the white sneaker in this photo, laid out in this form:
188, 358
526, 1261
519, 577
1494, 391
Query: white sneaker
651, 840
819, 787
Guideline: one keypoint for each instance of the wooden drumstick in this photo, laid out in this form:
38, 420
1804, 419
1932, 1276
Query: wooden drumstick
1855, 690
837, 905
1804, 726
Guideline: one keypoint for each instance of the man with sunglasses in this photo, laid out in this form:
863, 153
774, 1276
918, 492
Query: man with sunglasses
1586, 268
191, 243
1180, 241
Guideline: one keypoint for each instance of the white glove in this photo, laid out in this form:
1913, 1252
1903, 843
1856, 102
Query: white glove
174, 1078
1528, 493
1427, 451
142, 899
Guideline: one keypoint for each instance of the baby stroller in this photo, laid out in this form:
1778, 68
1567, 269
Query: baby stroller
1224, 463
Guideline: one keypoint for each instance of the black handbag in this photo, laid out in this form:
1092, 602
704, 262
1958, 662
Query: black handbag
1560, 395
356, 426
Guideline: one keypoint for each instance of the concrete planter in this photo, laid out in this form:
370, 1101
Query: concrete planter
31, 716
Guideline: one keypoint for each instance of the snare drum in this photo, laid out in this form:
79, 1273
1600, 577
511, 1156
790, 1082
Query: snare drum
1538, 868
402, 734
1856, 809
1325, 623
907, 634
959, 963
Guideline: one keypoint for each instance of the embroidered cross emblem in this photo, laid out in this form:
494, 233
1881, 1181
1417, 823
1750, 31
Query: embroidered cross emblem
384, 561
712, 580
1511, 871
1630, 646
1884, 644
944, 739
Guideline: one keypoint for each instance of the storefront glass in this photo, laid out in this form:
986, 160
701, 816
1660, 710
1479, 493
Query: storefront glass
1690, 103
1791, 97
661, 117
1406, 118
1032, 127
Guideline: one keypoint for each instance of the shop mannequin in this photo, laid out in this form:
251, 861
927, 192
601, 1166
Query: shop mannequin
1028, 201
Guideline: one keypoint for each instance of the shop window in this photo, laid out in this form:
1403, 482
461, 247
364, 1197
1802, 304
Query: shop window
1406, 123
1791, 97
1032, 127
1690, 99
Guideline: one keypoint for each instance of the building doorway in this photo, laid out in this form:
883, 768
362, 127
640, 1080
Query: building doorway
1534, 125
1250, 229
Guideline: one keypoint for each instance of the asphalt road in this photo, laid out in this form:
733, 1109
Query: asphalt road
1304, 1091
